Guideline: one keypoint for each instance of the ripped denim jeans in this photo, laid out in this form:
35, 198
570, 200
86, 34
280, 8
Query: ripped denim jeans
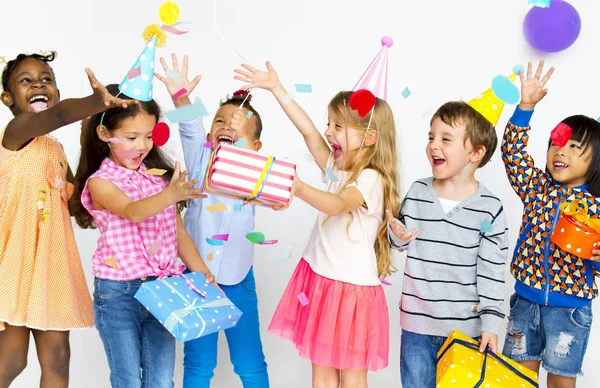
556, 336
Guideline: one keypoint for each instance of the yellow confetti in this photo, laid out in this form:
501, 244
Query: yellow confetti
168, 12
112, 262
155, 171
217, 207
41, 203
209, 257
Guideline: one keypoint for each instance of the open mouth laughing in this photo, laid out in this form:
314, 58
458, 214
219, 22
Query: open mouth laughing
38, 102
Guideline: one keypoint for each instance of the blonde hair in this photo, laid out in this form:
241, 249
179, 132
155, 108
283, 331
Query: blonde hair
381, 157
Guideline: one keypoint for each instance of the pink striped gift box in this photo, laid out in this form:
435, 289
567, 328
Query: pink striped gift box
243, 174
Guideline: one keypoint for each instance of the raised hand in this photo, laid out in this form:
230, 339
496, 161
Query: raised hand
533, 88
399, 229
174, 86
107, 99
257, 79
180, 189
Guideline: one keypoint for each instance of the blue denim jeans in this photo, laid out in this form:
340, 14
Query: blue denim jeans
245, 347
140, 351
418, 359
557, 336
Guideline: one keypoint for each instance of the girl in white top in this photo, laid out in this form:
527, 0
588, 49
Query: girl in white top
334, 308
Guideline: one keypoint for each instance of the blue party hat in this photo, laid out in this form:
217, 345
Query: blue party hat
138, 81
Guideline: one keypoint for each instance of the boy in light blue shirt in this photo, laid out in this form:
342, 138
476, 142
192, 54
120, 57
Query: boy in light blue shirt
231, 263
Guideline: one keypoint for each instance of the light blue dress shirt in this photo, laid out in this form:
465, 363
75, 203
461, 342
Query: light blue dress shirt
231, 262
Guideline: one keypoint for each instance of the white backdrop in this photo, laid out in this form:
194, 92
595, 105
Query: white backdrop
443, 50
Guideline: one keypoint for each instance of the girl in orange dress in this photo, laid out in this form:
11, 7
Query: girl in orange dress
42, 285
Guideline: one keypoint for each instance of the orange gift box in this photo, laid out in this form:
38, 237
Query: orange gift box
576, 232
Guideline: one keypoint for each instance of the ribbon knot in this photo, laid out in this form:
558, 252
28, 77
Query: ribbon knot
578, 211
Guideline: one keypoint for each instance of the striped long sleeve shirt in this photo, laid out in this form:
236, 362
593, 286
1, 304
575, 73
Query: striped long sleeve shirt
454, 272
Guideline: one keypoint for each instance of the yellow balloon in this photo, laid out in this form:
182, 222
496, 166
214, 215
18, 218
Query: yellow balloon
169, 12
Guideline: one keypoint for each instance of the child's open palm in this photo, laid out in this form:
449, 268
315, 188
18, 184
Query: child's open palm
400, 230
533, 88
255, 78
181, 189
107, 99
175, 85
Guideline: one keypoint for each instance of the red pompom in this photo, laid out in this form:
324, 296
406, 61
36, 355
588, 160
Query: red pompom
561, 134
362, 101
244, 93
160, 134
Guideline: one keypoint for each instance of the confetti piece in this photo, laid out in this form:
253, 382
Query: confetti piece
598, 119
173, 30
241, 143
505, 89
303, 299
209, 257
45, 216
112, 262
43, 191
208, 145
41, 203
330, 174
114, 140
155, 247
287, 254
180, 93
175, 77
188, 112
61, 164
405, 93
268, 242
160, 134
288, 97
128, 153
168, 12
255, 237
518, 69
385, 282
217, 207
485, 227
238, 206
304, 88
134, 73
220, 237
539, 3
215, 243
249, 115
156, 171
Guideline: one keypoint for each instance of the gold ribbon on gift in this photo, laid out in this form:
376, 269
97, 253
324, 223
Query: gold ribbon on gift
261, 179
578, 210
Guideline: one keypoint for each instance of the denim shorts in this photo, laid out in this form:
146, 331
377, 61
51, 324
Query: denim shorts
556, 336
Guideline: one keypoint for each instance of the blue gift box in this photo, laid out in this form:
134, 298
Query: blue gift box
185, 313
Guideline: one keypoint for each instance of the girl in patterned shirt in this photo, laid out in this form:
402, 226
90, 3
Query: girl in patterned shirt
42, 285
134, 206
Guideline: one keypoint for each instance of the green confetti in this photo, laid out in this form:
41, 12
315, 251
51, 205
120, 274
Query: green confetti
45, 216
62, 165
43, 191
255, 237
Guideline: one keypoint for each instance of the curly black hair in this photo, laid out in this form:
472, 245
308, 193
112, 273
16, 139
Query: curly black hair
13, 63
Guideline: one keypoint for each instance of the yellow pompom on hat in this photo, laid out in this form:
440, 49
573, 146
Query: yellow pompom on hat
489, 105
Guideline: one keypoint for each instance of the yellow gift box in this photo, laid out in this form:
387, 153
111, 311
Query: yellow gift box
460, 364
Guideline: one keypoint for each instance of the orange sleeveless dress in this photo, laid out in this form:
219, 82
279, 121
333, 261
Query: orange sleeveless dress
42, 284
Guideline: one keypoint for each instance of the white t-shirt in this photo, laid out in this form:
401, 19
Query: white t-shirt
448, 204
348, 254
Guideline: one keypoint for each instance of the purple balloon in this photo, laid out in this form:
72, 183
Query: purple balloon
552, 29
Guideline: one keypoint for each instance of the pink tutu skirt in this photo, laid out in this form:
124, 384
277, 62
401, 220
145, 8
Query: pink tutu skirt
344, 325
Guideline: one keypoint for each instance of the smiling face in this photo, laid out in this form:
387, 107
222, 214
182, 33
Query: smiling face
134, 136
569, 165
221, 131
344, 141
448, 151
31, 87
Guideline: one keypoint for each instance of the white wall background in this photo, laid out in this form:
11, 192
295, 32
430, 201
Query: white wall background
443, 50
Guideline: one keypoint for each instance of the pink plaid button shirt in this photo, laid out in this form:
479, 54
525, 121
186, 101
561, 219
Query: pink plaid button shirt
128, 250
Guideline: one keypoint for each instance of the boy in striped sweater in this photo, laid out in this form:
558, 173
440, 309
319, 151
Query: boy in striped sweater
455, 232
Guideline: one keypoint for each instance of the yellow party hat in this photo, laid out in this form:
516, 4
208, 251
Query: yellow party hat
489, 105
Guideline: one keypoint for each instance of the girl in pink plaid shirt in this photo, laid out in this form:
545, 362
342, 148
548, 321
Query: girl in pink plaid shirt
134, 205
